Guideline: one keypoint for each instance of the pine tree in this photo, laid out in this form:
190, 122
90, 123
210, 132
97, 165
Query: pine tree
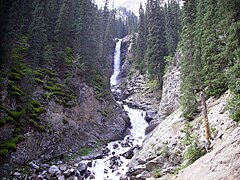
172, 15
38, 35
189, 73
156, 42
141, 40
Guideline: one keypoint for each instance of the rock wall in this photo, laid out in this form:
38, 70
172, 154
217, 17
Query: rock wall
171, 89
94, 119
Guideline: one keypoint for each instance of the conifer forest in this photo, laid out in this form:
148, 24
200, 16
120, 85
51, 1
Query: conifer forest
56, 60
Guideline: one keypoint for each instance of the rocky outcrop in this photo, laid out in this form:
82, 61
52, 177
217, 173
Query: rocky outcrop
163, 150
171, 89
93, 118
221, 163
89, 123
125, 57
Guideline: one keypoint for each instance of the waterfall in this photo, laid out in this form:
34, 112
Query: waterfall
116, 63
115, 164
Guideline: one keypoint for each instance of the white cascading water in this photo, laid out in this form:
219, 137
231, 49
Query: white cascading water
103, 169
117, 63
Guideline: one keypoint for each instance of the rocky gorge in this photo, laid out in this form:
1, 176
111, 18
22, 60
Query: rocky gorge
163, 152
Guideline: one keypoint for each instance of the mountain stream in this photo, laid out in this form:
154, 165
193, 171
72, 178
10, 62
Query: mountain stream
114, 164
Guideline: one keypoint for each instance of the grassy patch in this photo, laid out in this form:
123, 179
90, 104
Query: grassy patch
152, 84
38, 81
10, 144
36, 125
39, 110
35, 103
15, 114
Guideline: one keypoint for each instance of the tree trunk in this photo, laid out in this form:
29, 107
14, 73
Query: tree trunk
206, 122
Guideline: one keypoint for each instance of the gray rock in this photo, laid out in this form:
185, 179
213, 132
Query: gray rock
82, 168
34, 166
61, 178
124, 177
129, 154
17, 174
63, 167
53, 169
143, 175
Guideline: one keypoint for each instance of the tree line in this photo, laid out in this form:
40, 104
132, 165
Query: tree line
206, 34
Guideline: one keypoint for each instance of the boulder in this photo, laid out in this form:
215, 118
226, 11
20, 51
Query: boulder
129, 154
82, 168
53, 170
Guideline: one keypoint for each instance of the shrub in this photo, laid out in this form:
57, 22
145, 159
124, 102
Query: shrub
16, 95
193, 150
36, 125
51, 88
37, 80
35, 103
15, 114
39, 110
15, 76
3, 152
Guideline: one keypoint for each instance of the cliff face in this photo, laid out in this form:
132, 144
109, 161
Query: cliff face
73, 115
165, 153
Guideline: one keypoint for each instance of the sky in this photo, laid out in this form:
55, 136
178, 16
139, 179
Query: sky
116, 2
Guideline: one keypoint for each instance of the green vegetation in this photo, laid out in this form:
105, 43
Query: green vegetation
10, 144
36, 125
104, 112
156, 173
35, 103
100, 85
38, 81
190, 140
210, 48
15, 115
39, 110
6, 120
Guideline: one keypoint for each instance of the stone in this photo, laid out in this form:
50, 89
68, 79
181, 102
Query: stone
91, 176
89, 164
82, 168
105, 171
143, 175
115, 146
34, 166
17, 174
68, 173
87, 174
63, 167
53, 169
124, 177
61, 178
129, 154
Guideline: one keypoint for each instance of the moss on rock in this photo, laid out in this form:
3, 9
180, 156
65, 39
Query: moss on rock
39, 110
15, 114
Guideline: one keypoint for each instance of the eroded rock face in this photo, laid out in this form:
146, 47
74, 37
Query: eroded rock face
72, 128
171, 90
161, 149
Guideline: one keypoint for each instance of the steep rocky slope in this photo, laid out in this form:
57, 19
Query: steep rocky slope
164, 154
61, 117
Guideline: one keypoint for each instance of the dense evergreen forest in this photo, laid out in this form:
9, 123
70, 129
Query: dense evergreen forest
208, 36
50, 44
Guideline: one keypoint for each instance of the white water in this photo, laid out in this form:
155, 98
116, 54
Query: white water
116, 63
102, 168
